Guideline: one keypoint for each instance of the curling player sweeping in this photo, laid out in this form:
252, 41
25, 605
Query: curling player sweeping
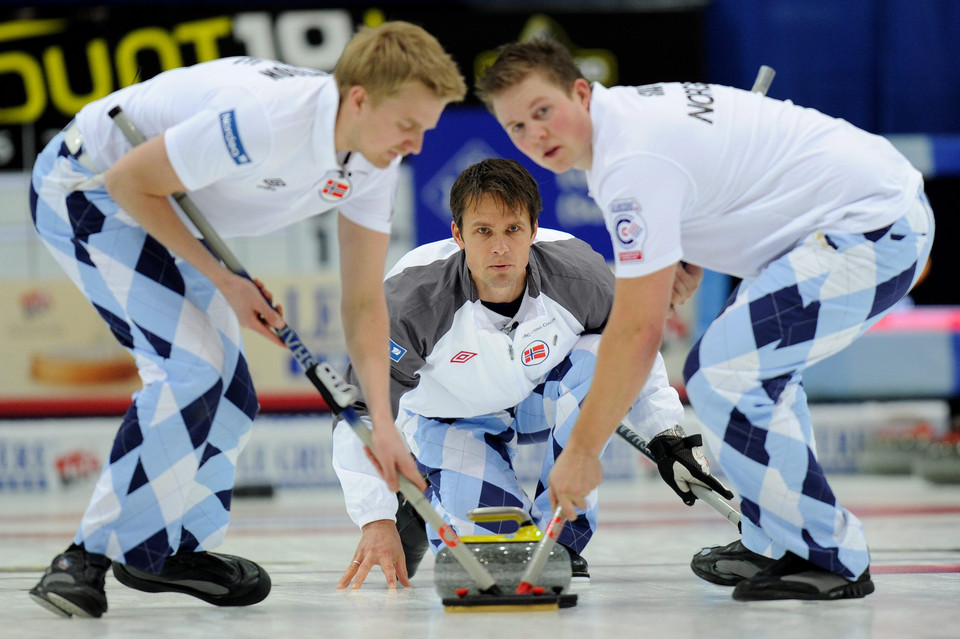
259, 145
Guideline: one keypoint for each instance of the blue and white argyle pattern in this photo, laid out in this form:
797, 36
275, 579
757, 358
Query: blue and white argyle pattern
168, 483
743, 377
469, 461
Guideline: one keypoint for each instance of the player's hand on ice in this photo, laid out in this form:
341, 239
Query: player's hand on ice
390, 455
379, 545
251, 302
681, 462
575, 473
686, 281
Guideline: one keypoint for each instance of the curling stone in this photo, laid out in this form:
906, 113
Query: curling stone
505, 556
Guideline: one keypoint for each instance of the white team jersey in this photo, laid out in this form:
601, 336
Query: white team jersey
252, 140
730, 180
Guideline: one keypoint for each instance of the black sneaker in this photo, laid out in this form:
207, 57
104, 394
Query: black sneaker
794, 578
728, 565
413, 535
73, 584
578, 566
222, 580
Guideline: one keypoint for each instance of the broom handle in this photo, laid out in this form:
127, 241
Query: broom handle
546, 544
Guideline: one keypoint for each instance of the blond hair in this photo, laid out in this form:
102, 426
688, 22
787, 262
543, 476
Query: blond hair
517, 60
383, 58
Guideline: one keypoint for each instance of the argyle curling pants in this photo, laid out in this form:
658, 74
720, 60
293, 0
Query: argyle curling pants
469, 461
168, 482
743, 378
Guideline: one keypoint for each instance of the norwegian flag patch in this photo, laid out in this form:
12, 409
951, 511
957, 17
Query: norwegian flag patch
335, 189
535, 353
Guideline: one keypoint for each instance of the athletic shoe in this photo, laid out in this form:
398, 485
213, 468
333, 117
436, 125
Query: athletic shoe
413, 535
728, 565
794, 578
73, 584
578, 566
222, 580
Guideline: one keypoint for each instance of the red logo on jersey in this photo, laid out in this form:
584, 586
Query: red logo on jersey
461, 357
535, 353
631, 256
334, 190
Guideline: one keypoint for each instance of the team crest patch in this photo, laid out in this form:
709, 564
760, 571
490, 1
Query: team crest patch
231, 137
535, 353
396, 351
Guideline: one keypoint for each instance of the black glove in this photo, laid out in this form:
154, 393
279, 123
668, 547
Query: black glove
680, 461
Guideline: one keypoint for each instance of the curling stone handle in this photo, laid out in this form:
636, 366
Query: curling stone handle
500, 513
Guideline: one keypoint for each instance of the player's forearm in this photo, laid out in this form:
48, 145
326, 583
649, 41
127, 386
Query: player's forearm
658, 406
365, 494
157, 217
139, 183
366, 329
627, 353
624, 361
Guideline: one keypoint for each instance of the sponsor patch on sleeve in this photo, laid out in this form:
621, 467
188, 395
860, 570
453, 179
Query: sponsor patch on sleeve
396, 351
231, 137
629, 229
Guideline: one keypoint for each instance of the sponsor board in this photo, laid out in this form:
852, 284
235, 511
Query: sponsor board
65, 456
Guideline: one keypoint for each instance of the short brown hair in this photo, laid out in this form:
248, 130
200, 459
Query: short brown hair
517, 60
505, 180
383, 58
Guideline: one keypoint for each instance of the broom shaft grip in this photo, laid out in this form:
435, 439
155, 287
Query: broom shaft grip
545, 545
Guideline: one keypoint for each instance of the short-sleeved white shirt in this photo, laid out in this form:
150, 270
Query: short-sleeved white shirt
730, 180
252, 140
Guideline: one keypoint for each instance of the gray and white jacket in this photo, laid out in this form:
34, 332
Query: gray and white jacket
452, 357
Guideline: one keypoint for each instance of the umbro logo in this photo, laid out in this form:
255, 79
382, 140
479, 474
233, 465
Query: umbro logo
271, 184
462, 356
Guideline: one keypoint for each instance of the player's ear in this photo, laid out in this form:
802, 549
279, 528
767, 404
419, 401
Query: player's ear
356, 97
457, 236
581, 91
